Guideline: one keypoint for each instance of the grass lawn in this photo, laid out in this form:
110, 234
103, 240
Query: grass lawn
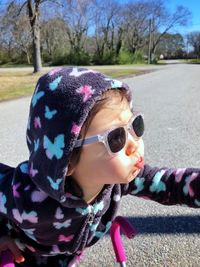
15, 84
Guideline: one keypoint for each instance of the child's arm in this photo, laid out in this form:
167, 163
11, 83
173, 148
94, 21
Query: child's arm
167, 186
6, 243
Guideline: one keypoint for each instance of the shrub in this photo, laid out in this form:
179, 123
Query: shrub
126, 57
78, 58
109, 58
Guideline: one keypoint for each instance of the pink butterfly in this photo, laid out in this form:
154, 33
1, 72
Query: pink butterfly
86, 91
65, 238
55, 250
179, 174
30, 248
75, 128
187, 188
31, 216
37, 122
14, 188
32, 171
54, 71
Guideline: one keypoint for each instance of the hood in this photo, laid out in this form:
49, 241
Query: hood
60, 104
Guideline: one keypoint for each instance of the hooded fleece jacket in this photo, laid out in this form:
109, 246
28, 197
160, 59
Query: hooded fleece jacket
41, 216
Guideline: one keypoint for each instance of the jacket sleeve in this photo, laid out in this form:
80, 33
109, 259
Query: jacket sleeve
5, 172
166, 186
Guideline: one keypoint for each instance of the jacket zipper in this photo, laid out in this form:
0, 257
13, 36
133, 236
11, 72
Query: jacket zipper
91, 216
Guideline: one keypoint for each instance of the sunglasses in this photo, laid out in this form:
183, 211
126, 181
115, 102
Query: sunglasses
115, 139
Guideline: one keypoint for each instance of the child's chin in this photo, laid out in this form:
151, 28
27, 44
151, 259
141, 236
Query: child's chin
134, 175
131, 177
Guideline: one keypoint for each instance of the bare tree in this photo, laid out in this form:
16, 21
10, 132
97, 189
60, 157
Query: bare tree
171, 45
193, 39
108, 30
135, 25
77, 15
22, 36
33, 11
53, 37
6, 32
160, 18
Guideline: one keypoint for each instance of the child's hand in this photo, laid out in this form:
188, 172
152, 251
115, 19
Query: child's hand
7, 243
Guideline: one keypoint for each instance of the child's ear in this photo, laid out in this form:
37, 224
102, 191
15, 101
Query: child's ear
70, 170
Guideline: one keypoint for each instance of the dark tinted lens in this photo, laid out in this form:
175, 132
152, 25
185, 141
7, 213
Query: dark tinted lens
117, 139
138, 126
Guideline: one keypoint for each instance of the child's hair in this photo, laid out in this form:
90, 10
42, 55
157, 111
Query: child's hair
76, 153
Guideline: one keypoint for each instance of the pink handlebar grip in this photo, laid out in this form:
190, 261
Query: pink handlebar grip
6, 259
127, 229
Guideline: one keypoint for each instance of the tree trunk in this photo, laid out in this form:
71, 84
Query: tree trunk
37, 63
33, 11
28, 58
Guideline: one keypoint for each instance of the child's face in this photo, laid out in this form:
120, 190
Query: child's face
96, 167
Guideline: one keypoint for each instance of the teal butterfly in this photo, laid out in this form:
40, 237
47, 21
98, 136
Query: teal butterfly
59, 225
101, 234
2, 176
36, 144
114, 83
29, 233
53, 85
157, 185
196, 202
139, 183
97, 207
93, 227
49, 113
54, 185
24, 168
3, 201
84, 211
37, 95
55, 148
91, 209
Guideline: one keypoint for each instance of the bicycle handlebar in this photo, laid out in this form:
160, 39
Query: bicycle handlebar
127, 229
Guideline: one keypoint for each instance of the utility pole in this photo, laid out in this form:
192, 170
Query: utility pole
149, 48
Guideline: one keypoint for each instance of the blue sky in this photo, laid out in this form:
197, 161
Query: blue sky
192, 5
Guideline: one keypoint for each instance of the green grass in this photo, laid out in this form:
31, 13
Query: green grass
193, 61
15, 84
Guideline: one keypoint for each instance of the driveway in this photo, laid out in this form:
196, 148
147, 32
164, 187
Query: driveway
169, 99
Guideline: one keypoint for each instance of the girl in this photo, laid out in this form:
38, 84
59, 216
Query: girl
86, 152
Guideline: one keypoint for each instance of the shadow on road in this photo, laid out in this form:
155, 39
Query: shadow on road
166, 224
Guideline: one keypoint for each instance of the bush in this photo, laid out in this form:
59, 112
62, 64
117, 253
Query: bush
59, 59
78, 58
126, 57
109, 58
138, 57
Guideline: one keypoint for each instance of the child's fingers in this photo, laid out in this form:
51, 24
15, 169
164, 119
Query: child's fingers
10, 245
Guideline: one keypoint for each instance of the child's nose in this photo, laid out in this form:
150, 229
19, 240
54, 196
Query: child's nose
131, 146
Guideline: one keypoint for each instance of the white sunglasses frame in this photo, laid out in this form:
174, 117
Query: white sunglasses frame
103, 137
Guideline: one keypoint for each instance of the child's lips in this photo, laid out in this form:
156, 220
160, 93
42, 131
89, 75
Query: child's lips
140, 163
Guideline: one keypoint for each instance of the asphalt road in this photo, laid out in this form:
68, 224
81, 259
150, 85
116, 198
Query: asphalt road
169, 99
